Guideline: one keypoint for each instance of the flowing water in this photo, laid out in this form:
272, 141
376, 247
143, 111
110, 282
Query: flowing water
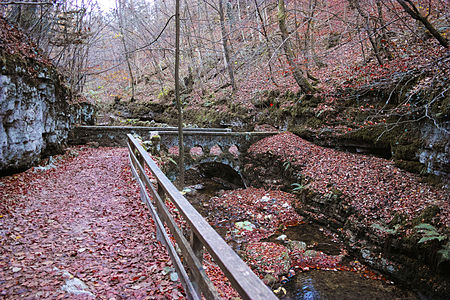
310, 284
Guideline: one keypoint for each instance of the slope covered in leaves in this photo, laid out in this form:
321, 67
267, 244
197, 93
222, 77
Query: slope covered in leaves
83, 217
373, 186
14, 42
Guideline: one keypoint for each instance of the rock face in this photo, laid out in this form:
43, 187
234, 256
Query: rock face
33, 118
35, 115
434, 154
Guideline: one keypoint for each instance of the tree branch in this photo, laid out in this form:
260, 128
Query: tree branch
25, 3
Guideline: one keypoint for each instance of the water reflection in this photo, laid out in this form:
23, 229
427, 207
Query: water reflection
307, 290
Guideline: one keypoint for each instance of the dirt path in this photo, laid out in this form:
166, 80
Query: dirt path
80, 226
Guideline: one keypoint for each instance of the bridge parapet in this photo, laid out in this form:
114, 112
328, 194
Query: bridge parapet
207, 138
202, 145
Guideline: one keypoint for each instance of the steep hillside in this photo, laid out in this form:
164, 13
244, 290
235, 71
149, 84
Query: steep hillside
379, 75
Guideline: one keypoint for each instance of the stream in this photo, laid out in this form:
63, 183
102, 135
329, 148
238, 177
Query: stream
339, 283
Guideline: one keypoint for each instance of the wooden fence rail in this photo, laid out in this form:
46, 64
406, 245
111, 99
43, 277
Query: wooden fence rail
201, 236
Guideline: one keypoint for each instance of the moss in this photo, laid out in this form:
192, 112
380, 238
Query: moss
410, 166
406, 152
301, 131
398, 219
314, 122
426, 216
432, 179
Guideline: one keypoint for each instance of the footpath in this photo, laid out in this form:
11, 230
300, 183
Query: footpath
79, 230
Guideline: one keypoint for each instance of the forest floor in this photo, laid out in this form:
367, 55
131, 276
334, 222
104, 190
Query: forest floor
81, 227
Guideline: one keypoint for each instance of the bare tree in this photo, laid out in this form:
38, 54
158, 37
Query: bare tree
120, 16
177, 96
226, 50
301, 80
412, 10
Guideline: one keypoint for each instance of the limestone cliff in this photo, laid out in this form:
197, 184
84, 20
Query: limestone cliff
35, 113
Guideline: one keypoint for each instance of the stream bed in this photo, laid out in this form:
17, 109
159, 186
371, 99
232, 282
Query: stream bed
349, 280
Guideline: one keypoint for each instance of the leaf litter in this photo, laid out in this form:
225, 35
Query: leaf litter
85, 218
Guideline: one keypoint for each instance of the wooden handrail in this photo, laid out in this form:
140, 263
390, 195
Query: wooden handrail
247, 284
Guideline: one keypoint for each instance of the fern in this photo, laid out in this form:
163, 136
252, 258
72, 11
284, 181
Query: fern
445, 252
426, 226
432, 237
429, 233
385, 229
297, 187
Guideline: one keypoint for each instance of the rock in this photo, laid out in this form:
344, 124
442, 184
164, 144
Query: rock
265, 198
74, 285
271, 258
312, 253
93, 144
188, 191
281, 237
16, 269
246, 225
269, 279
35, 116
297, 245
198, 187
286, 205
77, 287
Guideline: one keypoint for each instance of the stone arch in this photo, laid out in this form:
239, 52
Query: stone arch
223, 170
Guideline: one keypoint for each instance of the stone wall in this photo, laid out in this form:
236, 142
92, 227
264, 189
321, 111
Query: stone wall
116, 136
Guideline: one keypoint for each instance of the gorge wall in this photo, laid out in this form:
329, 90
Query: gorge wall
33, 121
35, 112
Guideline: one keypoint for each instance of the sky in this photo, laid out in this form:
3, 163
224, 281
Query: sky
106, 5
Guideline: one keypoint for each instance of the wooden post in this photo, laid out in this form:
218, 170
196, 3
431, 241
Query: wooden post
197, 248
162, 195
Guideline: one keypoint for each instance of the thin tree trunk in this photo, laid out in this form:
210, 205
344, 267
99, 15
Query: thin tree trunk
226, 51
177, 97
240, 21
269, 52
370, 31
125, 48
412, 10
302, 82
384, 41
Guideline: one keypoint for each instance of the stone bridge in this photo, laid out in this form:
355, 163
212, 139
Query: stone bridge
202, 145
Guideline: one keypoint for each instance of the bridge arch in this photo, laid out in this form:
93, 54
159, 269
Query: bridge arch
222, 169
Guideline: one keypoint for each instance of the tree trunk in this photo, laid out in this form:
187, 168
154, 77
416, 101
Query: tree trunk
266, 36
412, 10
177, 97
302, 82
370, 31
226, 51
125, 48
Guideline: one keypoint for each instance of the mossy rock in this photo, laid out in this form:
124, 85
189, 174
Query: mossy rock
426, 216
398, 219
406, 137
432, 179
301, 131
410, 166
406, 152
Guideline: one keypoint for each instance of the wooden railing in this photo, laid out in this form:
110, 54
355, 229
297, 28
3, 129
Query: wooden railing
201, 236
